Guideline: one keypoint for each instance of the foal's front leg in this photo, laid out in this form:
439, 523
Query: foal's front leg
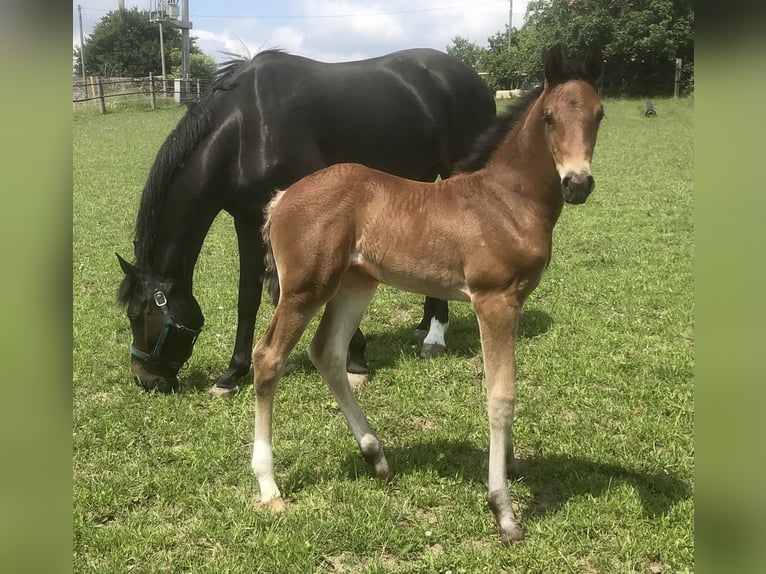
498, 319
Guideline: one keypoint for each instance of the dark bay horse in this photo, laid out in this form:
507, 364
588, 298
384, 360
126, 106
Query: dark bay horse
265, 124
483, 237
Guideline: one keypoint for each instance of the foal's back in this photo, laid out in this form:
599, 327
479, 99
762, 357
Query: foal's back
437, 239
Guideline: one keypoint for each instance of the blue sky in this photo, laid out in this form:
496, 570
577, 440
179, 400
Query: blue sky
332, 30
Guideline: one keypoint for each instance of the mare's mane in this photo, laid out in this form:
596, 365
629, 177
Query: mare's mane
191, 129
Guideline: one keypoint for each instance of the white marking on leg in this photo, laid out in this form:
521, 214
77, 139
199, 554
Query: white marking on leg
436, 333
263, 467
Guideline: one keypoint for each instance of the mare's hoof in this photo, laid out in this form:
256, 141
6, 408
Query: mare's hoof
514, 469
218, 392
512, 533
429, 351
357, 368
356, 381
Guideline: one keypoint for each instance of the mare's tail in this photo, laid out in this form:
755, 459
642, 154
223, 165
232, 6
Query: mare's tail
270, 276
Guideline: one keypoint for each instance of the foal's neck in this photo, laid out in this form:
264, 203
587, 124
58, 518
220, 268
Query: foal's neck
527, 168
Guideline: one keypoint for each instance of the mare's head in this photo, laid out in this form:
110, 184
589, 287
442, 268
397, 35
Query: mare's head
571, 112
165, 320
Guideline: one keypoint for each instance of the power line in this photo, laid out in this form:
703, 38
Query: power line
356, 15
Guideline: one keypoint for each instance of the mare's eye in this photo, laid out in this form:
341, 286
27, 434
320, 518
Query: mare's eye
600, 115
548, 118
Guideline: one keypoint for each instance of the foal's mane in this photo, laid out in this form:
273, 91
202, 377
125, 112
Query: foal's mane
493, 136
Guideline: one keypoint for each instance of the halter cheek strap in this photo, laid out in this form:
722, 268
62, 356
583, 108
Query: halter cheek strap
168, 323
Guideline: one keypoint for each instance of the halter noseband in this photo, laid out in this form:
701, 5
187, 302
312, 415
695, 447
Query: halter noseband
168, 323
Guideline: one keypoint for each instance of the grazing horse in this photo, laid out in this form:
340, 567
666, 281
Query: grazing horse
483, 237
266, 123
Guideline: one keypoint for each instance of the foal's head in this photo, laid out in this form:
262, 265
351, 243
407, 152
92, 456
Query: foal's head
572, 111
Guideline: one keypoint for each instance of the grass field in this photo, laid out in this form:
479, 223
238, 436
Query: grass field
605, 397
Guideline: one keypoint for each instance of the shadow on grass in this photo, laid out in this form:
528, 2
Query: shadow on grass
386, 346
552, 480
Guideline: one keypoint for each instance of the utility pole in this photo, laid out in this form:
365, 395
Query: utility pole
185, 45
166, 13
510, 22
82, 45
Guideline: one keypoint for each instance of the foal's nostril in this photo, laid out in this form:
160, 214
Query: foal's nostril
567, 179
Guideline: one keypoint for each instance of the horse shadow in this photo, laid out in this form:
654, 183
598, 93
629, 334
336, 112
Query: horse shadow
552, 479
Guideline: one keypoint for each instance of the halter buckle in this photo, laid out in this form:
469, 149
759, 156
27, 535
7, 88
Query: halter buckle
160, 299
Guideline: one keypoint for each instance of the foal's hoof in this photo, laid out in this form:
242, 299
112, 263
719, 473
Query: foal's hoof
429, 351
511, 533
276, 505
217, 392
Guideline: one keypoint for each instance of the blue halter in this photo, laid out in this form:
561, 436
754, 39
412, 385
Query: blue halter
168, 323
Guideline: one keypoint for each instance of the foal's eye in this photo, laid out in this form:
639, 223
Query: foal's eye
548, 118
600, 115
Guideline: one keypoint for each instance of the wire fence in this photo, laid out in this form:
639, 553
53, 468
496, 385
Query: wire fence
97, 91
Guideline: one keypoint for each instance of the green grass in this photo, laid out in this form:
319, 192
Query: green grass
605, 397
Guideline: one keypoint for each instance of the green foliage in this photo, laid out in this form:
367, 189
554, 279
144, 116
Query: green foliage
467, 52
124, 43
641, 41
201, 67
604, 421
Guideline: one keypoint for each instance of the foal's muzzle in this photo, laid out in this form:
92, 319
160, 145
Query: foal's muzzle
576, 187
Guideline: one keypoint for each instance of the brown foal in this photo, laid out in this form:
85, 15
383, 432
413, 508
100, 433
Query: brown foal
483, 237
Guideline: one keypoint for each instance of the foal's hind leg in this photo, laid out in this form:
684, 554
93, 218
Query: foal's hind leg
269, 358
328, 353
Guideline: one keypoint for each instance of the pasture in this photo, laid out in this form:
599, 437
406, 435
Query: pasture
603, 422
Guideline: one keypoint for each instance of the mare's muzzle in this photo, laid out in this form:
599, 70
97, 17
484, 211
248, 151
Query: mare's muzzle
156, 370
576, 187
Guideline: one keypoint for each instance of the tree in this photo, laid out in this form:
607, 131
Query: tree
125, 43
641, 40
467, 52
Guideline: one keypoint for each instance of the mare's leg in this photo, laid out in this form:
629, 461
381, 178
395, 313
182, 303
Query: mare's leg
435, 311
436, 321
269, 358
328, 353
357, 364
251, 267
498, 316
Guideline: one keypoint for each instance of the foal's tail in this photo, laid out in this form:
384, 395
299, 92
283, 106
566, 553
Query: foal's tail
270, 276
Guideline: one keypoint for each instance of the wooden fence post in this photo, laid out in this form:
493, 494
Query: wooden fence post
151, 91
100, 95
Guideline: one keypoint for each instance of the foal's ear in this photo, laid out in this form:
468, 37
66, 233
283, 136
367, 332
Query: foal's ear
127, 268
593, 64
554, 66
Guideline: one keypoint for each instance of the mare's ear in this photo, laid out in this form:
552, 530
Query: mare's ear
554, 66
593, 64
127, 268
